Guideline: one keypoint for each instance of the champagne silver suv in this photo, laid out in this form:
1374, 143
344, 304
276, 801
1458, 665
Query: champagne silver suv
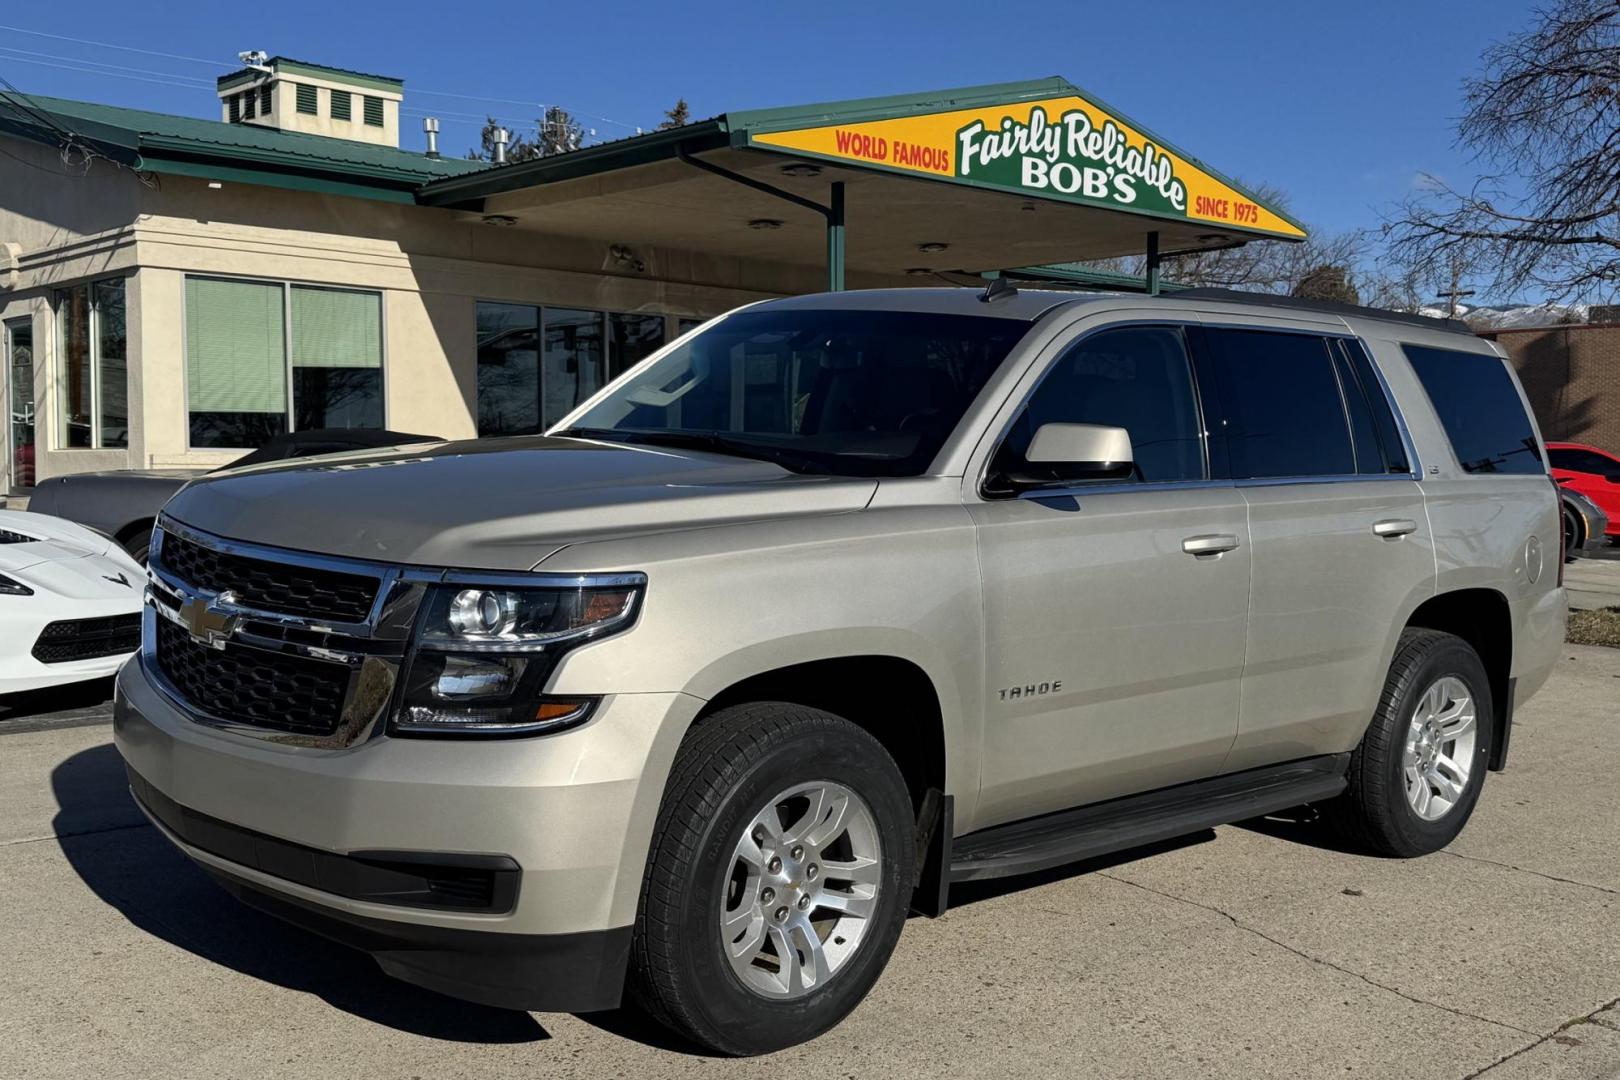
838, 602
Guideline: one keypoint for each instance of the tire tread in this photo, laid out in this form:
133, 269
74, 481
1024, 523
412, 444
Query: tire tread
713, 759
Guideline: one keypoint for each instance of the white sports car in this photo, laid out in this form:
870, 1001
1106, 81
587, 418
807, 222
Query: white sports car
70, 602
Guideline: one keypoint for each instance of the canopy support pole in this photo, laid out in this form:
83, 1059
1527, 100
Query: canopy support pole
835, 239
1153, 264
834, 214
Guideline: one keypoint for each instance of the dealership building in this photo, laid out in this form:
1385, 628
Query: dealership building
174, 290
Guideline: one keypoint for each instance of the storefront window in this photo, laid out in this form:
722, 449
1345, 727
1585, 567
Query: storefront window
336, 358
536, 364
93, 374
508, 369
19, 341
631, 339
112, 363
574, 362
265, 356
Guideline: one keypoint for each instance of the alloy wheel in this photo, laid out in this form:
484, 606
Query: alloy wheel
1439, 753
802, 890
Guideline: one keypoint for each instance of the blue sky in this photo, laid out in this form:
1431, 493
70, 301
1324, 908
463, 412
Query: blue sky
1340, 105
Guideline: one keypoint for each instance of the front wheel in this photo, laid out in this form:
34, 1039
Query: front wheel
778, 878
1417, 773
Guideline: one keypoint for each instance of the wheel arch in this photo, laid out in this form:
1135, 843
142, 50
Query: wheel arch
889, 696
1483, 618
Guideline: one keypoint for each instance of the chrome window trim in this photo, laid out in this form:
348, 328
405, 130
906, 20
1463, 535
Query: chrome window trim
1063, 350
1112, 487
1413, 465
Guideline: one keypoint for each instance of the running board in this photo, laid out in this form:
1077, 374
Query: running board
1023, 847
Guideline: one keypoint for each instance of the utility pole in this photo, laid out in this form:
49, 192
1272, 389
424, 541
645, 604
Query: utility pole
1452, 297
1455, 293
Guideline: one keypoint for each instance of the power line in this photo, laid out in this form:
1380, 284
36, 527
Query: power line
219, 63
22, 55
167, 81
110, 45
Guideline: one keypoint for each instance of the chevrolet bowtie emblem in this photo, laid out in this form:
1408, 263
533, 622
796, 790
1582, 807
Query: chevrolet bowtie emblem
207, 620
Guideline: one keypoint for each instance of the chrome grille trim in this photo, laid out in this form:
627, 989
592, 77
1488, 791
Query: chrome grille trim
372, 651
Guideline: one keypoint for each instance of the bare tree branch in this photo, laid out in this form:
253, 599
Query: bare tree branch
1544, 117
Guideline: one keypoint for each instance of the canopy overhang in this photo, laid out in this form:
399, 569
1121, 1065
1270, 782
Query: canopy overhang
975, 180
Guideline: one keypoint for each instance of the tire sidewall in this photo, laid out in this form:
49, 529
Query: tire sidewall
748, 1020
1455, 659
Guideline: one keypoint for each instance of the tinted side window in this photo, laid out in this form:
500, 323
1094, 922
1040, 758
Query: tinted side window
1363, 434
1274, 401
1582, 461
1480, 409
1136, 378
1389, 433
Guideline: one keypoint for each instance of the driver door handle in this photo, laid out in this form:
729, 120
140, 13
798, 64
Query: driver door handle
1214, 544
1394, 528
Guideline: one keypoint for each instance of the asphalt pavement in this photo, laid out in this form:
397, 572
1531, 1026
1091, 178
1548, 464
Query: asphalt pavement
1258, 950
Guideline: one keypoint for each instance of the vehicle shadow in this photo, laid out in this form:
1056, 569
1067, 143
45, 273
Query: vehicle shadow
59, 702
1302, 825
137, 872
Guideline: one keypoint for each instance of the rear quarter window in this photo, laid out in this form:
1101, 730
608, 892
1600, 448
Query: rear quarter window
1479, 408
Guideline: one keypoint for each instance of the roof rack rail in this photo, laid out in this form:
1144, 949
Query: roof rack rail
1328, 307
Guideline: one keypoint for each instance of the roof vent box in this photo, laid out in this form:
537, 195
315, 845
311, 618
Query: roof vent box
314, 99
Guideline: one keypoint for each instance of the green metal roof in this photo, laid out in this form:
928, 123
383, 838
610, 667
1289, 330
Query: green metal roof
250, 153
281, 65
743, 128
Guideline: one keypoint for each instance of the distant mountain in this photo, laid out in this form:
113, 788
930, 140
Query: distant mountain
1515, 316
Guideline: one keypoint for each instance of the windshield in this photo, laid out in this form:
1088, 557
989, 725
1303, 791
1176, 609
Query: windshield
851, 393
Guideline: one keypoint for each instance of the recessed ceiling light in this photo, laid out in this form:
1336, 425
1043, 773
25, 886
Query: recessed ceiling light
932, 247
801, 168
918, 271
499, 219
215, 185
765, 223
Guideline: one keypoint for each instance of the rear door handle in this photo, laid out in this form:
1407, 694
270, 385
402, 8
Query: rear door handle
1394, 528
1214, 544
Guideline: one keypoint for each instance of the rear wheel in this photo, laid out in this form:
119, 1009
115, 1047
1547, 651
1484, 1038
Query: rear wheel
1574, 534
1417, 773
777, 881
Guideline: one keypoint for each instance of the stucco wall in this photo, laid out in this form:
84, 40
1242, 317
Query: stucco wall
430, 265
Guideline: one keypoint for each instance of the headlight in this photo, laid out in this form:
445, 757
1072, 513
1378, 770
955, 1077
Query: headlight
13, 587
483, 654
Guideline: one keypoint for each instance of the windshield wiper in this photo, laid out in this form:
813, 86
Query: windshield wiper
714, 441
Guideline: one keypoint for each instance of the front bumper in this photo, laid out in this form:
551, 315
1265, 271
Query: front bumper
22, 621
570, 813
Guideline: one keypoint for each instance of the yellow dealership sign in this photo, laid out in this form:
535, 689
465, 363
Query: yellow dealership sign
1064, 148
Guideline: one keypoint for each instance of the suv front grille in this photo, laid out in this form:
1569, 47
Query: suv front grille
253, 686
284, 588
87, 639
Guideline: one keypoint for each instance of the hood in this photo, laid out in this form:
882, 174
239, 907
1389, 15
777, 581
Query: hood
497, 503
53, 539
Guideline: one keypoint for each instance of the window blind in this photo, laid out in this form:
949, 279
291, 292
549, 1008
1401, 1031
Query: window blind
336, 328
341, 105
235, 347
306, 99
374, 111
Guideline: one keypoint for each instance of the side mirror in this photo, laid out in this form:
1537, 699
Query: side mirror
1060, 454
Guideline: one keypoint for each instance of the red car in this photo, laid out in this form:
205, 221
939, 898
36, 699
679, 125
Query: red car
1592, 472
